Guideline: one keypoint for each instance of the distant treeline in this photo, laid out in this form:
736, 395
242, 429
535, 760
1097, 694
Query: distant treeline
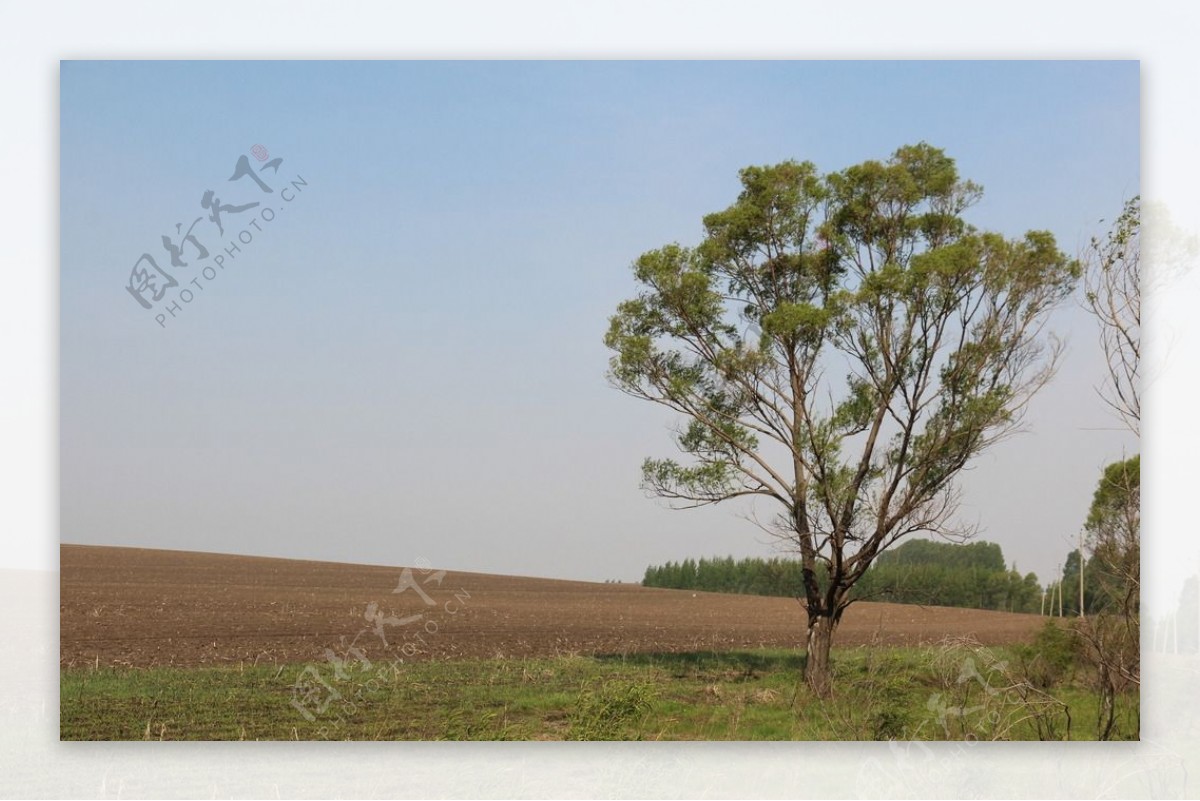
917, 572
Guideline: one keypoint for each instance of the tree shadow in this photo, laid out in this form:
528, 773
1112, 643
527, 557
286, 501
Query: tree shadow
685, 662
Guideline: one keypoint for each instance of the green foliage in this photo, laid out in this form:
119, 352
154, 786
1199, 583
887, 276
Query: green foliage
946, 574
1051, 658
1069, 584
873, 262
877, 699
915, 572
983, 556
1111, 579
735, 695
872, 267
1110, 634
610, 710
1119, 486
749, 576
1113, 531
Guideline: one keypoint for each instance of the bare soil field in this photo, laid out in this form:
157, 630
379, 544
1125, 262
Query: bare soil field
141, 608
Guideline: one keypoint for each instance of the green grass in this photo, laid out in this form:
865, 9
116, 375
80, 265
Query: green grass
881, 693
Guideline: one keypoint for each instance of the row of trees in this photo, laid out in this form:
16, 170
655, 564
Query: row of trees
749, 576
946, 574
917, 572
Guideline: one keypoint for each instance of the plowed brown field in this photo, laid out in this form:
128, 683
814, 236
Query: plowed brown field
140, 607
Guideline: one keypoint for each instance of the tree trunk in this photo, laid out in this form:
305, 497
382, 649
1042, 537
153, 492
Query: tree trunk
817, 671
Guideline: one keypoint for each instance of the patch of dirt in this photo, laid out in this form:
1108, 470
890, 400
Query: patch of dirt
140, 607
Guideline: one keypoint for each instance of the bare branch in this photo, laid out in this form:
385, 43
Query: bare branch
1113, 294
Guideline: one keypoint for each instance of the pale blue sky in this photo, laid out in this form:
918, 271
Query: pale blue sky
408, 361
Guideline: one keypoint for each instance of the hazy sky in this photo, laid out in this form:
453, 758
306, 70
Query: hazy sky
407, 361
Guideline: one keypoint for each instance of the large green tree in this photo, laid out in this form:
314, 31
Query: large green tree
839, 346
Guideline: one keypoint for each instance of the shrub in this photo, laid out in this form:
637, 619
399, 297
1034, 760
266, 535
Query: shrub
1050, 658
607, 711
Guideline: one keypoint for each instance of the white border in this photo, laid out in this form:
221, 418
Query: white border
32, 763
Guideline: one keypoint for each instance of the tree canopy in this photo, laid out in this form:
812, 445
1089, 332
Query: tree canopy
1113, 531
839, 346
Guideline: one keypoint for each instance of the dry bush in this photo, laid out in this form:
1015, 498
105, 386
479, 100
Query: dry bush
982, 697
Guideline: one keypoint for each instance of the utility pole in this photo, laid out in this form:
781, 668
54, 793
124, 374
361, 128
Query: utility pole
1081, 572
1043, 612
1058, 571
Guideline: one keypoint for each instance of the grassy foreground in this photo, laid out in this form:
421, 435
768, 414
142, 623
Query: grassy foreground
954, 691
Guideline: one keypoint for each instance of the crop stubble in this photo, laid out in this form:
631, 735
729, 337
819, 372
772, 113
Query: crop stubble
141, 608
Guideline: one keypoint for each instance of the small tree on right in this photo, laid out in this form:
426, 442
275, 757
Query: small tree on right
1113, 530
1111, 636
